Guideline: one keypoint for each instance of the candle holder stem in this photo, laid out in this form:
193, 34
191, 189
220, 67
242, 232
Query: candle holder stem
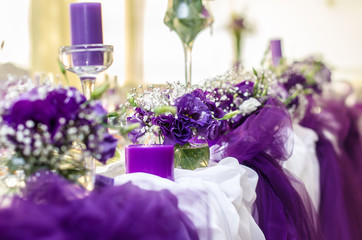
88, 86
188, 62
89, 176
87, 61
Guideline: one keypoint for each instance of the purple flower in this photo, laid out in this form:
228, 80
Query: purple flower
245, 89
38, 111
199, 93
180, 133
173, 130
238, 23
215, 129
142, 113
57, 118
294, 78
106, 147
67, 102
135, 134
192, 110
164, 122
225, 99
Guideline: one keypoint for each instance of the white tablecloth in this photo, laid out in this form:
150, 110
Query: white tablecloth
217, 199
304, 162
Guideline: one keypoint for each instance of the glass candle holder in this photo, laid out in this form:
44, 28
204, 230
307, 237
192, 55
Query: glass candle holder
87, 61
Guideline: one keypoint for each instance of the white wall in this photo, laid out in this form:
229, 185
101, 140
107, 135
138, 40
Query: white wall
306, 27
14, 30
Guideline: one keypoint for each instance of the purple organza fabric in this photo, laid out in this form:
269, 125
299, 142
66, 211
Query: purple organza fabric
283, 209
339, 154
52, 208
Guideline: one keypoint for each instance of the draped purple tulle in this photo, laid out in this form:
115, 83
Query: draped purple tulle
283, 209
353, 143
339, 154
52, 208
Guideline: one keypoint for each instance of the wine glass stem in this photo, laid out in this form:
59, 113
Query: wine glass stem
88, 86
188, 50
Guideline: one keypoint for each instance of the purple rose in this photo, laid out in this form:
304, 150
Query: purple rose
193, 111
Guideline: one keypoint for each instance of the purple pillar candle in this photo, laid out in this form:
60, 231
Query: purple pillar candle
86, 23
154, 159
276, 51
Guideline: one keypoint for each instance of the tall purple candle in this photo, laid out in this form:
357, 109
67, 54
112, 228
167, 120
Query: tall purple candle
86, 23
153, 159
276, 51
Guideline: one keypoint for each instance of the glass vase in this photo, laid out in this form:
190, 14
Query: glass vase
192, 155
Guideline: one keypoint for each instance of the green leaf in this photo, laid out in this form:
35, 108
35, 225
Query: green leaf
100, 90
164, 109
255, 72
125, 130
131, 100
229, 115
63, 71
291, 98
112, 114
256, 85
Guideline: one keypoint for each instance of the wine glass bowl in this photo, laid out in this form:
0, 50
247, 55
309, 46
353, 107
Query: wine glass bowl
188, 18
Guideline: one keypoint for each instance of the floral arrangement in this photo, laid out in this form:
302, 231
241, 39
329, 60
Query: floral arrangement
43, 125
188, 116
298, 80
178, 115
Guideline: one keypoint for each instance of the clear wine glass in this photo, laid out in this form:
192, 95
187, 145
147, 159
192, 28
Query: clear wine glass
87, 61
188, 18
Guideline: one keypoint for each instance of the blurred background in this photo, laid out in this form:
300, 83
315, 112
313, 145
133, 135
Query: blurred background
145, 50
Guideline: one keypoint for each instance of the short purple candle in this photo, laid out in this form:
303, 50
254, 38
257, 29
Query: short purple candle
276, 51
86, 23
154, 159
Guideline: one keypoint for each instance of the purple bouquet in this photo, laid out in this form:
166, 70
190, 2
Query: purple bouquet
298, 80
178, 115
43, 125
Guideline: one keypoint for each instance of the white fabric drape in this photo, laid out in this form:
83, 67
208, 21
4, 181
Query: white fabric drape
304, 162
217, 199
